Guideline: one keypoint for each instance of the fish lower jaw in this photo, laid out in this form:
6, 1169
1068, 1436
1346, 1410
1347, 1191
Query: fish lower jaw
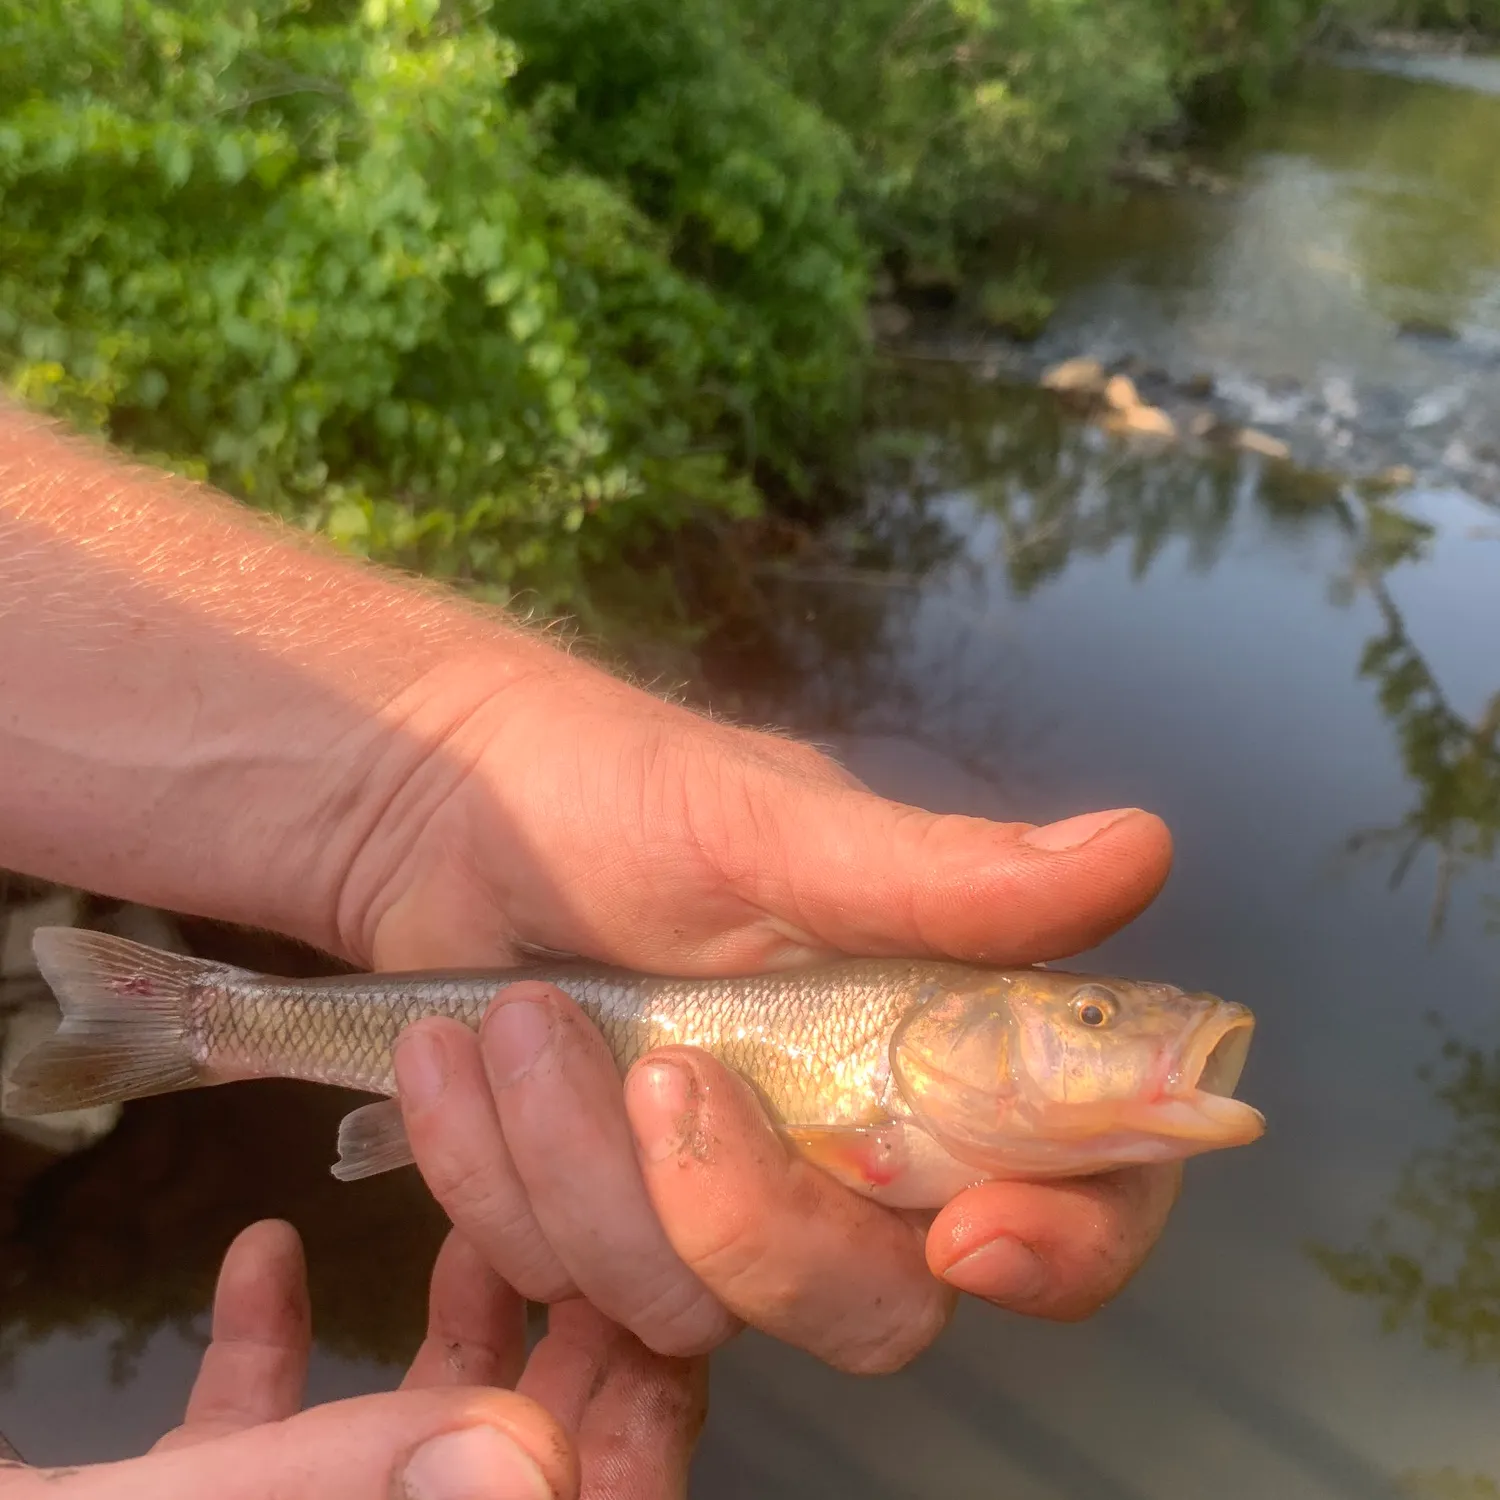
1082, 1140
1211, 1119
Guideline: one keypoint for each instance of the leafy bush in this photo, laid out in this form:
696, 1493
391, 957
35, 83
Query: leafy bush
663, 100
960, 108
322, 255
486, 289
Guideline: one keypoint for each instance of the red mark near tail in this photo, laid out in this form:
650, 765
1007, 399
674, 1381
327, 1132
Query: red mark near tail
137, 984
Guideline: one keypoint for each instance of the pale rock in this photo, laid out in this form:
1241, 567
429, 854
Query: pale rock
1121, 395
60, 909
145, 924
1148, 421
1143, 421
889, 320
1075, 377
1252, 441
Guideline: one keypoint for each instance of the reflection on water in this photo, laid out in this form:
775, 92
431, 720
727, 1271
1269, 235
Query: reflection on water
1026, 619
1290, 670
1434, 1257
1453, 760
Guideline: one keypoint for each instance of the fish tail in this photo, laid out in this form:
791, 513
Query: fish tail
127, 1024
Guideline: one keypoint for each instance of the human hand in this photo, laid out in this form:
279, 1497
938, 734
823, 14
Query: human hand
592, 1413
571, 811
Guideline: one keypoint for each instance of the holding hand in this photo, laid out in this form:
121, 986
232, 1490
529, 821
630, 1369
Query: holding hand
592, 1413
572, 811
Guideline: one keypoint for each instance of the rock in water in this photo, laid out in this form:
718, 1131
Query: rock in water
1147, 421
1121, 395
1076, 377
1253, 441
889, 320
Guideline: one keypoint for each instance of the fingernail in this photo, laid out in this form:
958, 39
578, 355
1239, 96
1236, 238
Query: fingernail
478, 1463
1004, 1271
421, 1068
1073, 833
515, 1035
670, 1108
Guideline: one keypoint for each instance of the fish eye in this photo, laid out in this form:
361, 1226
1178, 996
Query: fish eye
1094, 1006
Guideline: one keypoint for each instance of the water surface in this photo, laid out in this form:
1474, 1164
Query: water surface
1344, 291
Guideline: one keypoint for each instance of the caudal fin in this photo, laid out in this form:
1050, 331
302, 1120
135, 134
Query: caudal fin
125, 1030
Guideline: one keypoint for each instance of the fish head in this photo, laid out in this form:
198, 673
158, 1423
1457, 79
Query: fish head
1043, 1072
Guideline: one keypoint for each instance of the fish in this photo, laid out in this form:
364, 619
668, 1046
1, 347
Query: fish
907, 1079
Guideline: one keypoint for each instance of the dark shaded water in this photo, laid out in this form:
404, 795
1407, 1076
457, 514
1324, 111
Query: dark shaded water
1029, 621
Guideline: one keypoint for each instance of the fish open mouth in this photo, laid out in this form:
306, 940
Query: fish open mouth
1196, 1102
1213, 1057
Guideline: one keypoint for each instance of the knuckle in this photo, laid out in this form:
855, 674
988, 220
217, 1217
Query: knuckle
680, 1320
876, 1347
498, 1221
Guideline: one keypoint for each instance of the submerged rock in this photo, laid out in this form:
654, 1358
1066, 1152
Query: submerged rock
29, 1013
1252, 440
888, 320
1426, 328
18, 926
1076, 377
1144, 421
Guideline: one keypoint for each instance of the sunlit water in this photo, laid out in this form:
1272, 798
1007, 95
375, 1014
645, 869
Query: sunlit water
1028, 621
1345, 292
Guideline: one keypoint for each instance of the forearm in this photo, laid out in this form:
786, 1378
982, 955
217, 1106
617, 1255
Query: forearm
200, 709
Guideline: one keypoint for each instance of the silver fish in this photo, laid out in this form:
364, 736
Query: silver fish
907, 1079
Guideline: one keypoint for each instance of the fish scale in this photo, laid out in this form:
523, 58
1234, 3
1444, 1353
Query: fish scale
813, 1043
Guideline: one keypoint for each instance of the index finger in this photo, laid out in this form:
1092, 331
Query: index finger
255, 1368
476, 1323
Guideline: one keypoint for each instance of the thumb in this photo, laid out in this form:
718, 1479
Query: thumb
407, 1445
855, 872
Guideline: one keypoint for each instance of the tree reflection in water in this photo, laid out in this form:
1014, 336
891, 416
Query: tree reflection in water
1053, 490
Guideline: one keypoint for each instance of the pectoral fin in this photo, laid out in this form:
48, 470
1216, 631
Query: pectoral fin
863, 1157
372, 1139
894, 1163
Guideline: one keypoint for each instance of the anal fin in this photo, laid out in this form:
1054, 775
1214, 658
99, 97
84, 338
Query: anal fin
372, 1140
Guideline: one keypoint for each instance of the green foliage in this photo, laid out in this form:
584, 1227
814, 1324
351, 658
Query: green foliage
662, 99
1019, 303
960, 109
492, 287
314, 253
1481, 16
